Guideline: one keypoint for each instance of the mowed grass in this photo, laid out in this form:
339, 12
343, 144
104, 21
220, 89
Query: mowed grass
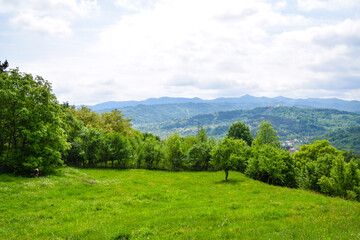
144, 204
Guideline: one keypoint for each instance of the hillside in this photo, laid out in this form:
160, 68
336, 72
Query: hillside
142, 114
346, 139
244, 102
290, 122
143, 204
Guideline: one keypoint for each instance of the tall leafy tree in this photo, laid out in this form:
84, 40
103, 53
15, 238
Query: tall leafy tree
90, 144
230, 154
266, 135
116, 147
239, 130
150, 152
114, 121
199, 154
31, 133
173, 151
87, 116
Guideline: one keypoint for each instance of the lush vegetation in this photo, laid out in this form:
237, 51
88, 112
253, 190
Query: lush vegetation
38, 133
152, 204
150, 114
31, 127
290, 122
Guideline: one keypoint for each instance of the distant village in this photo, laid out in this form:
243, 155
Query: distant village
293, 145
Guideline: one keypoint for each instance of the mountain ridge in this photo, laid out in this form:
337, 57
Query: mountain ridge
246, 102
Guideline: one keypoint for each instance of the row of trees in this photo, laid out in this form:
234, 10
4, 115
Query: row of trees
38, 132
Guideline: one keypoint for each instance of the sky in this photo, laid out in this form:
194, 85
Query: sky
115, 50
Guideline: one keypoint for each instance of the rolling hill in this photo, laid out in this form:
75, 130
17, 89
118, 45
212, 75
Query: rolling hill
346, 139
290, 122
150, 204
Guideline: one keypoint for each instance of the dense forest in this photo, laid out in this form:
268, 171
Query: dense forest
37, 132
290, 122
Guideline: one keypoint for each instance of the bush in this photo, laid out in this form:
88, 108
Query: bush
271, 165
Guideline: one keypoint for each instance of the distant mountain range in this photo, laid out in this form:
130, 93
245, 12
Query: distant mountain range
244, 102
312, 118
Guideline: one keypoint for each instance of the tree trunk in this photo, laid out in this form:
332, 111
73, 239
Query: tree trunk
226, 175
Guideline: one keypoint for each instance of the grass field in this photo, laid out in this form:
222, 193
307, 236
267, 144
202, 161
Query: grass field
143, 204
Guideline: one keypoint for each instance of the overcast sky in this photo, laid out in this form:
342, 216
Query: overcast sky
96, 51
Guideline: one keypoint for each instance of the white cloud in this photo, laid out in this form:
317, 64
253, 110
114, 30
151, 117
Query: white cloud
208, 48
45, 25
135, 5
69, 8
309, 5
51, 17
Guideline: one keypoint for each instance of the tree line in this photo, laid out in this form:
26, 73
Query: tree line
36, 131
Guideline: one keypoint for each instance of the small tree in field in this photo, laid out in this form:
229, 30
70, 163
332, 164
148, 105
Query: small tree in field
230, 154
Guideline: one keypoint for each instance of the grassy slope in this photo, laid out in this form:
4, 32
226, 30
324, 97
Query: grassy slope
167, 205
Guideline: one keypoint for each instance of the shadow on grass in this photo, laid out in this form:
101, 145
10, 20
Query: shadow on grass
230, 181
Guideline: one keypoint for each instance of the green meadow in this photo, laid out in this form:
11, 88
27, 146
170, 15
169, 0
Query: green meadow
145, 204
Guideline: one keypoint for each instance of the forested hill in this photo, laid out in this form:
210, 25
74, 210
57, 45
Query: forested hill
244, 102
346, 139
142, 114
290, 122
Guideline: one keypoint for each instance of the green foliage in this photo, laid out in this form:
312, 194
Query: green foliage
31, 133
266, 135
321, 167
230, 154
289, 122
114, 121
151, 152
173, 151
202, 135
344, 139
239, 130
116, 147
199, 155
271, 165
143, 114
90, 144
343, 180
87, 116
349, 155
108, 122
